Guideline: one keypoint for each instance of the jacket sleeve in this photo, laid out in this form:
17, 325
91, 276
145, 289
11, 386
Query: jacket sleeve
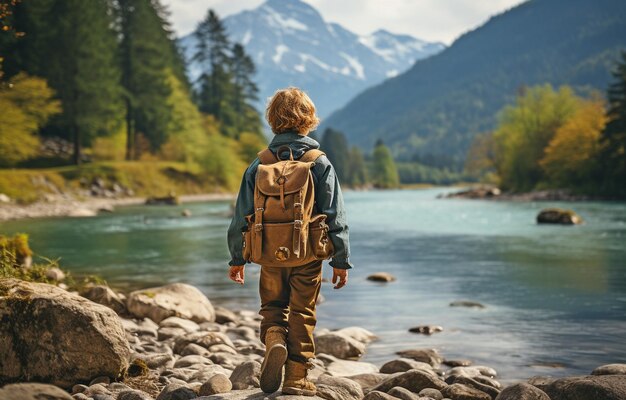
244, 206
329, 201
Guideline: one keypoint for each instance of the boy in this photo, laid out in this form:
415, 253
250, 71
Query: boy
289, 294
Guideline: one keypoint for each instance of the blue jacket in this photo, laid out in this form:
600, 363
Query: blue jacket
328, 200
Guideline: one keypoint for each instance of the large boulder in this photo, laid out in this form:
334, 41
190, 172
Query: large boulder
590, 387
339, 345
33, 391
50, 335
173, 300
558, 216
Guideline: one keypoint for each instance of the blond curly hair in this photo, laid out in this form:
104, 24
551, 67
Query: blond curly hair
291, 109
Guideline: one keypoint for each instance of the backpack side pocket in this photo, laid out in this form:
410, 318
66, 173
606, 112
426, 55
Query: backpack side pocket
321, 246
247, 238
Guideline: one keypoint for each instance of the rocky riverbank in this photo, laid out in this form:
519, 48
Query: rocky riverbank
494, 193
70, 206
171, 343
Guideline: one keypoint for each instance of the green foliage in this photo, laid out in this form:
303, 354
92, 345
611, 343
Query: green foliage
525, 130
613, 155
442, 102
412, 172
27, 104
571, 157
356, 169
71, 45
384, 174
335, 146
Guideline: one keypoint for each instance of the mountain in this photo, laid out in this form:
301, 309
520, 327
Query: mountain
431, 112
291, 44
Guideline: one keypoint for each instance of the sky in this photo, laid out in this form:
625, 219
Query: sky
432, 20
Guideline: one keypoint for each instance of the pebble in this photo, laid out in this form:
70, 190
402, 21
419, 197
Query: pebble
218, 383
381, 277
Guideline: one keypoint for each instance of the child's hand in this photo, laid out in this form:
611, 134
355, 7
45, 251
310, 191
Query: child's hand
340, 277
236, 273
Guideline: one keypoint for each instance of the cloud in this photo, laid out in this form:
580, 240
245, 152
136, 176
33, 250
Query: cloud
433, 20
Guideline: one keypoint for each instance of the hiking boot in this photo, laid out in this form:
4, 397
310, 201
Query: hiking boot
275, 357
296, 381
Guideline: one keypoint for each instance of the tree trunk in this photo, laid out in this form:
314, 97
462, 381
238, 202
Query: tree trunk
130, 142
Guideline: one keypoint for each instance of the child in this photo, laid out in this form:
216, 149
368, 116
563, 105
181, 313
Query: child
289, 294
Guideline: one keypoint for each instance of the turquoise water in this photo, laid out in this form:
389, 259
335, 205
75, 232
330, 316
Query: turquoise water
555, 296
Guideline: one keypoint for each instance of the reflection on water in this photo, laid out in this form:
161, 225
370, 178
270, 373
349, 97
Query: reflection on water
555, 296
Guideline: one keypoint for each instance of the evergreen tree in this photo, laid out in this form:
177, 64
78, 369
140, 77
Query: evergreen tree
384, 172
356, 170
71, 44
212, 55
246, 92
613, 138
335, 145
146, 55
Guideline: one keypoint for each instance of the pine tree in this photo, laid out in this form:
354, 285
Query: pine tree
613, 139
384, 172
147, 55
212, 55
246, 92
71, 44
335, 145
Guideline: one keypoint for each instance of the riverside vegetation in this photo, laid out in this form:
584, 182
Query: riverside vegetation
89, 341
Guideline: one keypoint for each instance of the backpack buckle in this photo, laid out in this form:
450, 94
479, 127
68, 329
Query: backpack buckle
258, 227
297, 224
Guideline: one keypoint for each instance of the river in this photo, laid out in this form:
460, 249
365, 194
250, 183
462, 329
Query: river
554, 296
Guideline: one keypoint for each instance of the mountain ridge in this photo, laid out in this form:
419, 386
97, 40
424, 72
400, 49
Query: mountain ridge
292, 44
434, 109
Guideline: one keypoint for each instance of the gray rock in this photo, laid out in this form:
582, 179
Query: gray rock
428, 356
339, 345
337, 367
432, 393
490, 390
337, 388
558, 216
405, 364
381, 277
466, 303
218, 383
457, 391
488, 381
55, 274
357, 333
402, 393
79, 388
473, 371
203, 339
156, 361
522, 391
80, 396
224, 315
190, 360
177, 322
589, 387
246, 375
368, 381
426, 329
104, 295
100, 379
193, 348
170, 332
176, 299
610, 369
51, 335
175, 391
206, 372
133, 395
33, 391
99, 396
457, 363
413, 380
376, 395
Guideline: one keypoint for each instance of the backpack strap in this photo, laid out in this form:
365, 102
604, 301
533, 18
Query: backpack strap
311, 155
267, 157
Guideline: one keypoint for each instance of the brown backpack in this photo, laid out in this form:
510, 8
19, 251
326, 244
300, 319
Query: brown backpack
283, 232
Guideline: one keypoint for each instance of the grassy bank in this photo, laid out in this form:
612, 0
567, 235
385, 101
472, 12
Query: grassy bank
144, 178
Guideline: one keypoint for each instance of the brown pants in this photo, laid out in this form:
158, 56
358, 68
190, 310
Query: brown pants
288, 297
